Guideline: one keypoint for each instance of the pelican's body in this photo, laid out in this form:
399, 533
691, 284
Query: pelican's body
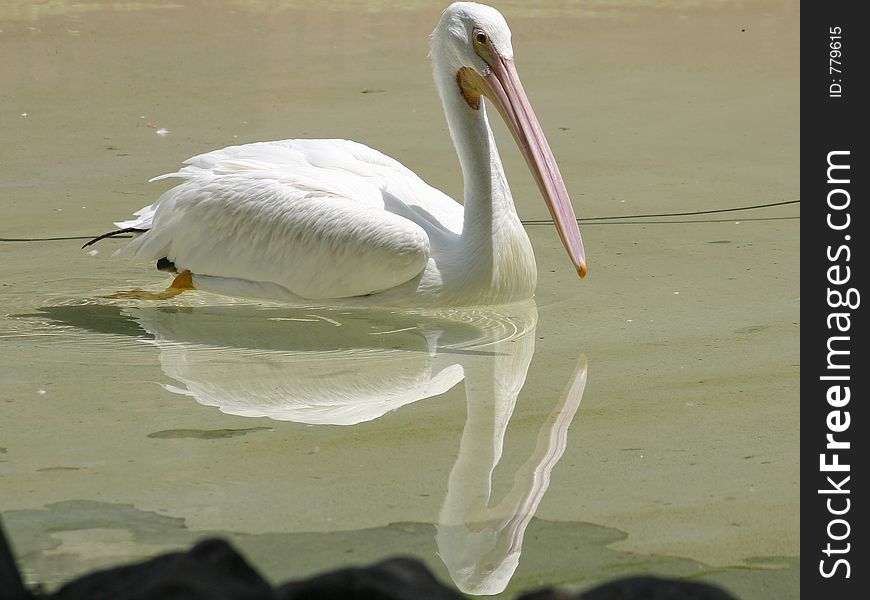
329, 220
335, 221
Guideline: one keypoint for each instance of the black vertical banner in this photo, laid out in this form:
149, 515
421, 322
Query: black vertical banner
834, 226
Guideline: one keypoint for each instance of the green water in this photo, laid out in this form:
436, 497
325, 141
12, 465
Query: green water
642, 420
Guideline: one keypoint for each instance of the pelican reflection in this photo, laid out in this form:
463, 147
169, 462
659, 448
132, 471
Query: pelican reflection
479, 540
329, 366
344, 367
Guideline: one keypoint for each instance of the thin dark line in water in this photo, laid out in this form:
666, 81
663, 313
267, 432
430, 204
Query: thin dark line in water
682, 221
546, 221
56, 239
675, 214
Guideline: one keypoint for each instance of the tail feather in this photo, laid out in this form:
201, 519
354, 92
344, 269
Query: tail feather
114, 233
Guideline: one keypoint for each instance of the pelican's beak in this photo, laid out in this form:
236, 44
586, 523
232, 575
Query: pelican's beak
503, 88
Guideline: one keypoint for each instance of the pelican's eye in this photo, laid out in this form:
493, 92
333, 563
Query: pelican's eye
480, 37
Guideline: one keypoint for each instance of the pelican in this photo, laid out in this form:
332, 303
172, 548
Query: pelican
333, 221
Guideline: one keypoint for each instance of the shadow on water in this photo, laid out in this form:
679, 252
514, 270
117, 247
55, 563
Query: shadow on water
327, 366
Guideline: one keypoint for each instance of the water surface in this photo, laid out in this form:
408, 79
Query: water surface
645, 419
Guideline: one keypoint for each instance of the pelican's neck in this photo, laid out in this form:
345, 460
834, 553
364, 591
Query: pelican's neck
494, 255
488, 201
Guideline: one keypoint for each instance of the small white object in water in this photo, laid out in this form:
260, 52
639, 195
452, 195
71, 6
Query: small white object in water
24, 114
93, 252
41, 392
327, 319
291, 319
162, 132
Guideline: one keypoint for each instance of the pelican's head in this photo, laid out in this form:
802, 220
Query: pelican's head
474, 42
464, 27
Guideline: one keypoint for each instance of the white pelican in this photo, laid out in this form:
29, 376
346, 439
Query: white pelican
335, 221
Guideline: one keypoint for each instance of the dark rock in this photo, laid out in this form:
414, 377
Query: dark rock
393, 579
212, 570
11, 586
548, 594
655, 588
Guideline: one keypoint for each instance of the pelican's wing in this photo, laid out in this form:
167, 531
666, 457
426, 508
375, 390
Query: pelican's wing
322, 218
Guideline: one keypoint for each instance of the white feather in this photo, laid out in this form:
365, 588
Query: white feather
335, 220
